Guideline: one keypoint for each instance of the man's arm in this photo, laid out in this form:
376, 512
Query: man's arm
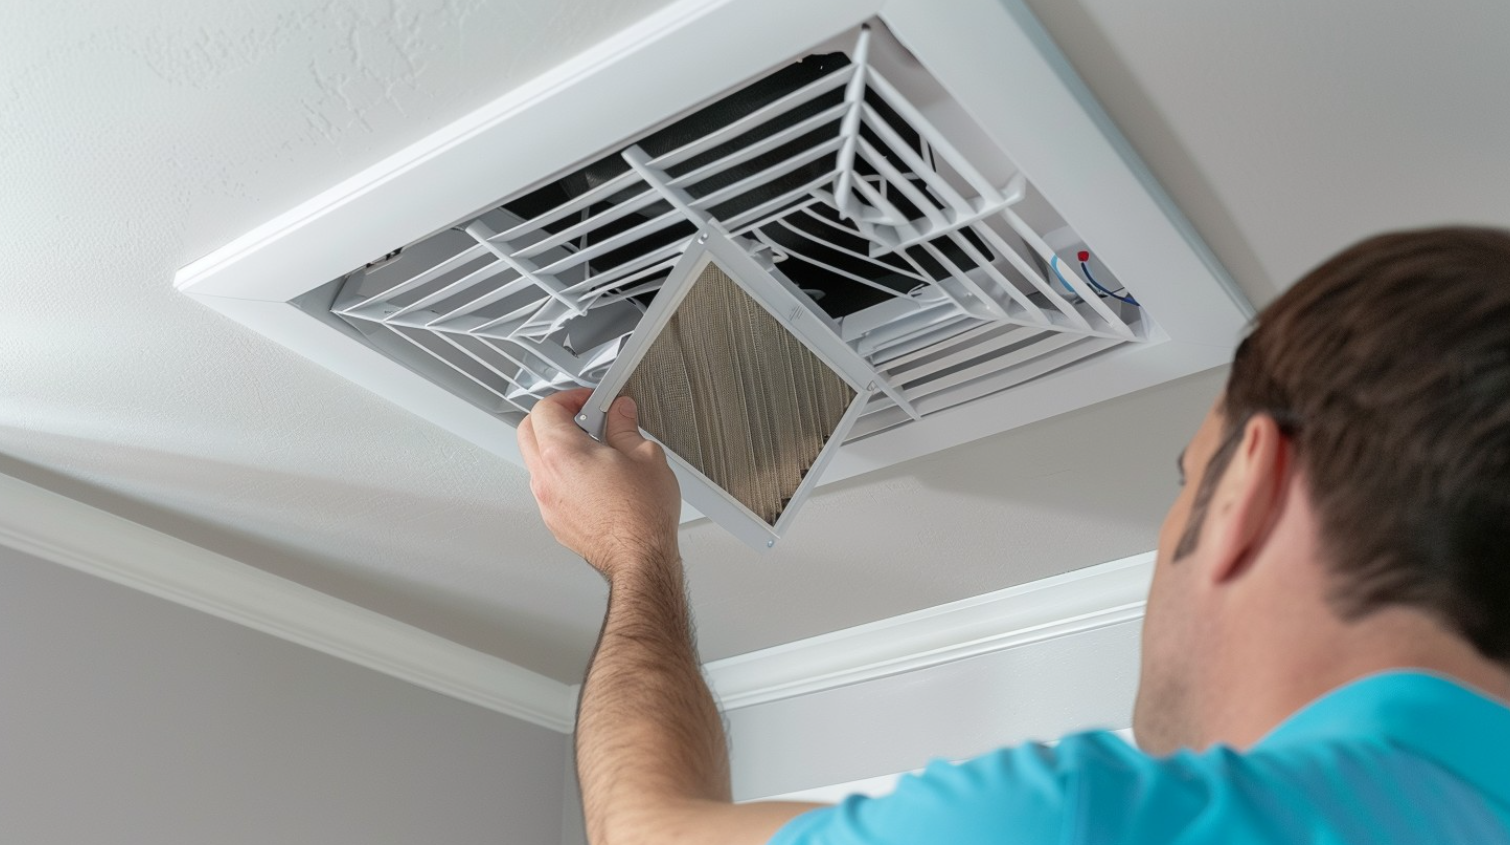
651, 754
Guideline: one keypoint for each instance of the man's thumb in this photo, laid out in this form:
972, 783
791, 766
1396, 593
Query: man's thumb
621, 429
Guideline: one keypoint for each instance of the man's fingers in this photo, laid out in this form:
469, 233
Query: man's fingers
554, 418
552, 422
527, 446
573, 399
622, 427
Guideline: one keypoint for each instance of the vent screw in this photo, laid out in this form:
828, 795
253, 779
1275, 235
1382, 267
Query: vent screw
703, 238
770, 543
582, 418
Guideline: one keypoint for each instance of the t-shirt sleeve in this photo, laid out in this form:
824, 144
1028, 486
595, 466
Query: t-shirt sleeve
1022, 795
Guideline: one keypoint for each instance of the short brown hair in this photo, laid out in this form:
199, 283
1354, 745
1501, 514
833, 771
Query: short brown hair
1390, 367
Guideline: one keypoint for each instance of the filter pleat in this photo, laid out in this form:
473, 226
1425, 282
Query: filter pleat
737, 396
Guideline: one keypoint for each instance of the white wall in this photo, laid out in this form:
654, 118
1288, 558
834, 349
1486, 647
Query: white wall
573, 826
127, 719
1034, 692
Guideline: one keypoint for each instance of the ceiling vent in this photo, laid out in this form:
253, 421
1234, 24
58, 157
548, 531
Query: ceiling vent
917, 232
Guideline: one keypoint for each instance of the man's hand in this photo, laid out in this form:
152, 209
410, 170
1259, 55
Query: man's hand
651, 753
614, 502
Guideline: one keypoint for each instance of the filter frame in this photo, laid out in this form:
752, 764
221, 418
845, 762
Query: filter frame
797, 314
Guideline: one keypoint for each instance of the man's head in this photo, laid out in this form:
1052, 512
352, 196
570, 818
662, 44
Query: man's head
1358, 464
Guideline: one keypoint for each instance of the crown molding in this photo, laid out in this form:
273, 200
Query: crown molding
59, 529
1060, 606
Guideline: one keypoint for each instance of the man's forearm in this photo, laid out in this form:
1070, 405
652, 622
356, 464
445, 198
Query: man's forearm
650, 747
649, 736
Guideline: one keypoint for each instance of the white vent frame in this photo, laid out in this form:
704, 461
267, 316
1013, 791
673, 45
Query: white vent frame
990, 55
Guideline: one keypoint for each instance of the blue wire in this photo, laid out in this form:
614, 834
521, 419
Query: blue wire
1097, 285
1054, 262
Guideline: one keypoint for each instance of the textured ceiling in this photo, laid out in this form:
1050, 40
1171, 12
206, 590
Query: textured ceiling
136, 136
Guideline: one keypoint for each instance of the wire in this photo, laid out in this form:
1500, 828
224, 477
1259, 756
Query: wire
1054, 262
1097, 285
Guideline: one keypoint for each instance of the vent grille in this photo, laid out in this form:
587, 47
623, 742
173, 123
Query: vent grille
737, 396
924, 249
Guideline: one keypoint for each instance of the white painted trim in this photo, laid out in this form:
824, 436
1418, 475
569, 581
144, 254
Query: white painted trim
1060, 606
58, 529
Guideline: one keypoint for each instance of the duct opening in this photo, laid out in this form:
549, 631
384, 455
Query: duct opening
807, 249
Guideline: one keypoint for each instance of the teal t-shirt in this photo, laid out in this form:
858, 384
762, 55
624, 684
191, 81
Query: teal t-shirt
1402, 757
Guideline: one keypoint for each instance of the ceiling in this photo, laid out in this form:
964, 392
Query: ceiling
137, 136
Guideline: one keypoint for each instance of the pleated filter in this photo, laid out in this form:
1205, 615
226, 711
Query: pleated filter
727, 388
749, 399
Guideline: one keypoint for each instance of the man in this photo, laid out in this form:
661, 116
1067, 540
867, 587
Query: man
1326, 653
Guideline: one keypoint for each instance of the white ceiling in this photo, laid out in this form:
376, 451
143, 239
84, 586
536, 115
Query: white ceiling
136, 136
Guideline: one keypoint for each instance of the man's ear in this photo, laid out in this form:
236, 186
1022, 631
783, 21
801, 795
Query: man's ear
1249, 498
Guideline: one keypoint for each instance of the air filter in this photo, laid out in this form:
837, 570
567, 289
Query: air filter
744, 385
